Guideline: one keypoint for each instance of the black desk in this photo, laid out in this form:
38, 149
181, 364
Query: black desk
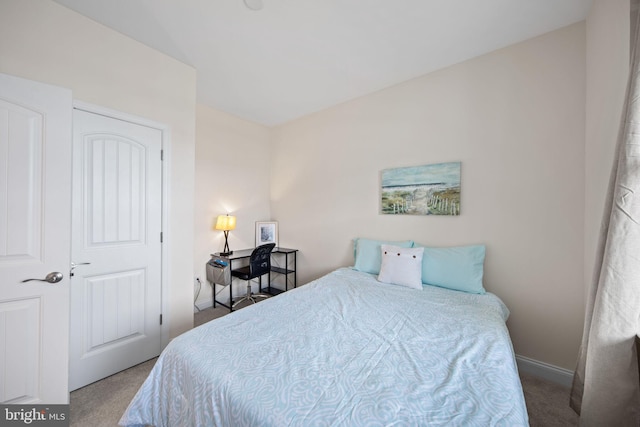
223, 276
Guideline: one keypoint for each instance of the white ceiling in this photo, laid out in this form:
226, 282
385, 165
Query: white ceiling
295, 57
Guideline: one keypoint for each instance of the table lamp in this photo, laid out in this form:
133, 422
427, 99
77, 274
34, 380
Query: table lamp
225, 223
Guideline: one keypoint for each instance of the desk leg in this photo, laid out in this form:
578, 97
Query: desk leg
286, 276
230, 287
295, 269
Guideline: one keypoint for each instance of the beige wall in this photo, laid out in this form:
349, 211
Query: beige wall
43, 41
532, 189
232, 176
515, 119
607, 73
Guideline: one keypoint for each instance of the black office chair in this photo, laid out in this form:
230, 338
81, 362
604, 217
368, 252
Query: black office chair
259, 265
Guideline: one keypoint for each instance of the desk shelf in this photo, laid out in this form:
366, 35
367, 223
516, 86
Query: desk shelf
272, 291
282, 270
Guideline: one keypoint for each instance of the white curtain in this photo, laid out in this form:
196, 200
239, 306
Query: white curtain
606, 385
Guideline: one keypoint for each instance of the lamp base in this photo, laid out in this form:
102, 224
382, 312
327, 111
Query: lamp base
225, 250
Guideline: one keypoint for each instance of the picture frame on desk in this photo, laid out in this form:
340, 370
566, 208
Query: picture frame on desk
266, 232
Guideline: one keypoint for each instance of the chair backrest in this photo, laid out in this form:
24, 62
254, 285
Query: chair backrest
260, 260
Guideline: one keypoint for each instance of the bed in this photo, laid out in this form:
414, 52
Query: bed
344, 349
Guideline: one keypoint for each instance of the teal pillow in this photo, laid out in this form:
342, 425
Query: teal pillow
368, 256
460, 268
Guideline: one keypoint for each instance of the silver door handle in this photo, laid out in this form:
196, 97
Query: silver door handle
53, 277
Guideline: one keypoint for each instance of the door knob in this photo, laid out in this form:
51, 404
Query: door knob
53, 277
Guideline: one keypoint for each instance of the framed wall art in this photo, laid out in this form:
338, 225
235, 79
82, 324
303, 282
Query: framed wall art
266, 232
421, 190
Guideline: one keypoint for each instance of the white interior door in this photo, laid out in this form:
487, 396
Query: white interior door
116, 284
35, 221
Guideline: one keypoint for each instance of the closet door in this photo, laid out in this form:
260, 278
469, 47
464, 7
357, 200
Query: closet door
116, 286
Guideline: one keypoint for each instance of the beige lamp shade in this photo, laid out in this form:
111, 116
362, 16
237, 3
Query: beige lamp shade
225, 222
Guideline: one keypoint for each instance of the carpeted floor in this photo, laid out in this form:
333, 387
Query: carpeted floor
102, 403
547, 403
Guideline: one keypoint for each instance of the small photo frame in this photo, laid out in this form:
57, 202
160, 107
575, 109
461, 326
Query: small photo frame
266, 232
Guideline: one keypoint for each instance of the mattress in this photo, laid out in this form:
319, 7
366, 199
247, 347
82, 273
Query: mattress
343, 350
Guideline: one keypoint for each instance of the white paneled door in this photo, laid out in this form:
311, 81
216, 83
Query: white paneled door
35, 217
116, 246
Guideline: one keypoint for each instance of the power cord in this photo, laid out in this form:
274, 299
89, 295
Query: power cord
197, 294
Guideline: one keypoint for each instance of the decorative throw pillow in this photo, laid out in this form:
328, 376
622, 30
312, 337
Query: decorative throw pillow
460, 268
367, 253
401, 266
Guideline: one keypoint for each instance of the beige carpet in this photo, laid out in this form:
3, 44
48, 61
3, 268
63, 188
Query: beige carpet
102, 403
547, 403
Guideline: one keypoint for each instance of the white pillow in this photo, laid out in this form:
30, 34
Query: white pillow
401, 266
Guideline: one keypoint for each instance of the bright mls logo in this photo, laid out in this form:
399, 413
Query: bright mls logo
36, 415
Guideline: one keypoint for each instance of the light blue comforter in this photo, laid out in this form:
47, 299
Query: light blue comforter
344, 350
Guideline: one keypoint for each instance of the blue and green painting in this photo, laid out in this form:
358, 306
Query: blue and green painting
421, 190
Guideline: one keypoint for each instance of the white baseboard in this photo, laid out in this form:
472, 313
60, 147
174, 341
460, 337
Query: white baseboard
202, 304
549, 372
